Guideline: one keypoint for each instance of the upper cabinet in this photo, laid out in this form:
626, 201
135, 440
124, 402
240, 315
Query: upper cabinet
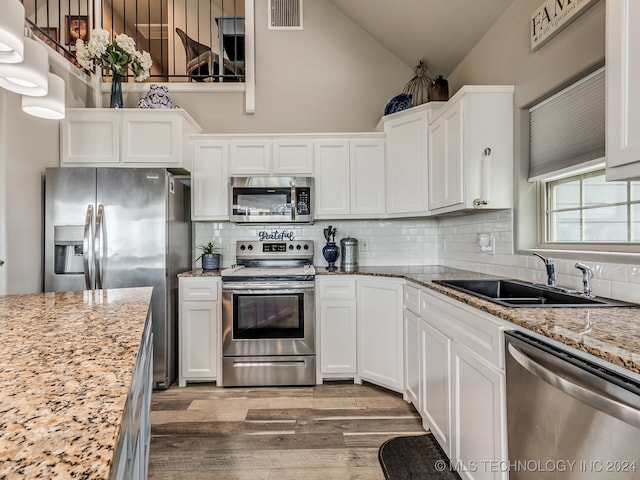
623, 95
407, 166
350, 177
105, 137
260, 155
209, 178
461, 175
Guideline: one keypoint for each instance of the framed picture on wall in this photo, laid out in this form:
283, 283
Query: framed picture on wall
49, 35
76, 27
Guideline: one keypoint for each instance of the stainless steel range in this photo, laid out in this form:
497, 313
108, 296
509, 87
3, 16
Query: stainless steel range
268, 315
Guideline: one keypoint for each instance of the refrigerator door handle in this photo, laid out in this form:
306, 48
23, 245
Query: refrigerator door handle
86, 246
98, 246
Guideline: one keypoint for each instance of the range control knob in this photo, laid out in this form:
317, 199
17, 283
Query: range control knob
290, 247
306, 246
242, 247
298, 247
250, 247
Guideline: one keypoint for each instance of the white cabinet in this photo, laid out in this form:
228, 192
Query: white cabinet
407, 166
623, 95
464, 384
350, 177
271, 155
336, 327
380, 332
411, 313
474, 119
127, 137
209, 179
199, 329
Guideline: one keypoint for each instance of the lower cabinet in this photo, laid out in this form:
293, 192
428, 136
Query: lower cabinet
131, 457
359, 329
380, 332
336, 328
199, 329
463, 385
412, 370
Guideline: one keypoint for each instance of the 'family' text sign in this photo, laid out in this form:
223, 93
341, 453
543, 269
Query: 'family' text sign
552, 16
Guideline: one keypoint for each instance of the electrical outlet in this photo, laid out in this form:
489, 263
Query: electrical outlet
364, 245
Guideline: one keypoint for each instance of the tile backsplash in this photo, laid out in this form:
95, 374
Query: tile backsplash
482, 242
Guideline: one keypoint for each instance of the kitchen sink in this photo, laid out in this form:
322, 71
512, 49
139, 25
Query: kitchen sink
512, 293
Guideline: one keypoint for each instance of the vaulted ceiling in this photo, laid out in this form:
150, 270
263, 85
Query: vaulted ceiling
439, 32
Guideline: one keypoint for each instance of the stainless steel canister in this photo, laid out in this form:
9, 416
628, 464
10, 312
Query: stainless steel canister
349, 254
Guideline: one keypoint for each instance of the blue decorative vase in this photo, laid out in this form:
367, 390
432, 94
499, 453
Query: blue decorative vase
116, 91
211, 261
331, 252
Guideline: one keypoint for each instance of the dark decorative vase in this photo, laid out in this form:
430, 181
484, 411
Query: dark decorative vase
331, 252
438, 89
211, 261
116, 90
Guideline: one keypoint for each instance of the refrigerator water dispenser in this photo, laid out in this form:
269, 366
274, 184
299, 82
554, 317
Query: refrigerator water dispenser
68, 250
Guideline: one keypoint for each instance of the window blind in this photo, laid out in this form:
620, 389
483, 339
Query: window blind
568, 128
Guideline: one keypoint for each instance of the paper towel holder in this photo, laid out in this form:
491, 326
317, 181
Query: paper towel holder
483, 202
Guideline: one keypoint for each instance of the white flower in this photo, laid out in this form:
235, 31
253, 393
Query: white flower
82, 54
126, 43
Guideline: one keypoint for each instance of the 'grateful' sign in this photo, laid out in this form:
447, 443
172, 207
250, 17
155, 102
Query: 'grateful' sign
552, 16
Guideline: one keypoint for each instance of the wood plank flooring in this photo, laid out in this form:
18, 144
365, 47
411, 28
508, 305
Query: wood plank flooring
330, 431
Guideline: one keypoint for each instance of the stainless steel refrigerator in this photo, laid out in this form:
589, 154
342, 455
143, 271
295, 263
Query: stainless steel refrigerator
116, 228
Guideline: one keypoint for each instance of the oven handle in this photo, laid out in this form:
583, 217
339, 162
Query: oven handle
261, 288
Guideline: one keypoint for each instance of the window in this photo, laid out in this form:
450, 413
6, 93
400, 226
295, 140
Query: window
586, 209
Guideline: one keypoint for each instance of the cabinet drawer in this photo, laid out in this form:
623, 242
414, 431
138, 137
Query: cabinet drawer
478, 331
199, 289
411, 299
345, 289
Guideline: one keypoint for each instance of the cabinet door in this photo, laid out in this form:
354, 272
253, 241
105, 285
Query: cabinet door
251, 156
209, 180
337, 337
412, 357
479, 425
293, 157
446, 156
332, 185
407, 158
151, 139
367, 170
623, 96
380, 336
89, 137
435, 361
198, 345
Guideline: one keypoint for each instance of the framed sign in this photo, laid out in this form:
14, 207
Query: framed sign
76, 27
552, 16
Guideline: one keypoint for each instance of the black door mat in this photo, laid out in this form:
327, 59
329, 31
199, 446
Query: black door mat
415, 457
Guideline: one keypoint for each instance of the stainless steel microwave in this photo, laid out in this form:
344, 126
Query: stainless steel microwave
272, 199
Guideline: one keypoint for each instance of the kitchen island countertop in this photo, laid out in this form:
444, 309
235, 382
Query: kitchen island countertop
609, 333
66, 365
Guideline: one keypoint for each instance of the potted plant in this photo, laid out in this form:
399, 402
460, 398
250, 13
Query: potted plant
210, 257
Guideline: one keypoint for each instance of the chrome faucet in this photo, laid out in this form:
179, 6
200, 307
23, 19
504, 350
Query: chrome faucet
551, 269
587, 275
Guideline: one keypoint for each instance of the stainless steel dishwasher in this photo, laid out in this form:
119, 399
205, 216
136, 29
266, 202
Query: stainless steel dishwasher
568, 417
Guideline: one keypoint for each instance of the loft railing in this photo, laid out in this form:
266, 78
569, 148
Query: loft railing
184, 37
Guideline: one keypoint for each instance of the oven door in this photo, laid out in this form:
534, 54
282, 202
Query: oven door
268, 318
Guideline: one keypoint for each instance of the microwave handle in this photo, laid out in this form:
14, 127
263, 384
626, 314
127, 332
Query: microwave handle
293, 200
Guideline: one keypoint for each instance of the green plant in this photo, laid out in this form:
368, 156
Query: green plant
208, 249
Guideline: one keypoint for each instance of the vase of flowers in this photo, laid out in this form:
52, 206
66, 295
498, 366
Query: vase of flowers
117, 57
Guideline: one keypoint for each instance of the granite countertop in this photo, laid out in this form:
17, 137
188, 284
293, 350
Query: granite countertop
66, 365
198, 272
610, 333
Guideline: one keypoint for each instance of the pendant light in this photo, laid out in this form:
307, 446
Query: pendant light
30, 76
11, 32
51, 106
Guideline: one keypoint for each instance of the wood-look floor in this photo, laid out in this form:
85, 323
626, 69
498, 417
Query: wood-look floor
330, 431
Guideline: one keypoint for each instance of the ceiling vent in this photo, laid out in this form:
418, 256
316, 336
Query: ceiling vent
285, 14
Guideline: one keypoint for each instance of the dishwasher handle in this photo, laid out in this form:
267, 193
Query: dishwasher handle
564, 381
